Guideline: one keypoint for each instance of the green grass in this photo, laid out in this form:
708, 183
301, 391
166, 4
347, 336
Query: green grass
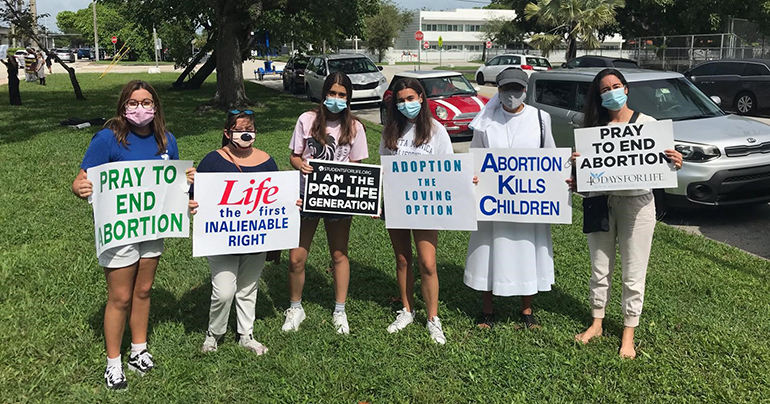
457, 68
703, 337
131, 62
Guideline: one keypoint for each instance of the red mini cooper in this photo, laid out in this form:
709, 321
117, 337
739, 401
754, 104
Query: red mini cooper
452, 99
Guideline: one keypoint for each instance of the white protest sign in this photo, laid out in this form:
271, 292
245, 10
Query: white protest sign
241, 213
523, 185
620, 157
3, 51
137, 201
429, 192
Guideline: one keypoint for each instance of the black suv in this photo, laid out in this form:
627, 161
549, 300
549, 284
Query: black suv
600, 61
294, 74
742, 84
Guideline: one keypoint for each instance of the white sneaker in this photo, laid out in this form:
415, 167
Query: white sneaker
248, 342
210, 343
114, 378
340, 321
140, 363
403, 319
294, 317
435, 330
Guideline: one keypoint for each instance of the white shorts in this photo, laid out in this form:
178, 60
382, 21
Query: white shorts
127, 255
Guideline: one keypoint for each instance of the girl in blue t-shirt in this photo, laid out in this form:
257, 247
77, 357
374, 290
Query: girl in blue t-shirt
137, 132
236, 275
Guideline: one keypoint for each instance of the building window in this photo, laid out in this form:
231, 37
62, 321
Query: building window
472, 28
473, 48
443, 27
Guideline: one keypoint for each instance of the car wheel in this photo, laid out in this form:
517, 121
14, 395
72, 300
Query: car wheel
307, 91
383, 114
480, 79
292, 87
746, 103
285, 85
661, 206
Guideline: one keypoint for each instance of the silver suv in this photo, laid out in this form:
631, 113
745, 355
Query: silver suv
369, 84
726, 157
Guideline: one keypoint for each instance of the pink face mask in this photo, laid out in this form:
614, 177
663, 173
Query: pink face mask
140, 117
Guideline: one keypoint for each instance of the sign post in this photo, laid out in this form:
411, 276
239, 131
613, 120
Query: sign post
418, 36
114, 45
440, 49
426, 45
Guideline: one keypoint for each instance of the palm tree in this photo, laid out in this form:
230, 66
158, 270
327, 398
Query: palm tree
570, 21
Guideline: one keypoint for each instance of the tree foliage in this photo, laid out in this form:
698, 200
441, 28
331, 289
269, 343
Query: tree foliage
383, 27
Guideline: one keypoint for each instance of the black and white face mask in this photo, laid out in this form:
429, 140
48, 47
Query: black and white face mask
242, 139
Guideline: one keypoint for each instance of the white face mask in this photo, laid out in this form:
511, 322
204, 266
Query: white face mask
242, 139
512, 99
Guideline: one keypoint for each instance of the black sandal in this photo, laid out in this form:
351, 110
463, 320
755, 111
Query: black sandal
486, 320
530, 322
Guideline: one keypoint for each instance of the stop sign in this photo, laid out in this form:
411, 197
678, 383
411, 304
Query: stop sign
489, 44
426, 44
114, 39
418, 36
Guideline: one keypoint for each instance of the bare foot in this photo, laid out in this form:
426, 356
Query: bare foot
592, 332
627, 351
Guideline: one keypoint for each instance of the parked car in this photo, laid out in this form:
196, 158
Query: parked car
452, 99
66, 55
294, 74
743, 85
84, 53
20, 55
600, 61
494, 66
369, 84
725, 156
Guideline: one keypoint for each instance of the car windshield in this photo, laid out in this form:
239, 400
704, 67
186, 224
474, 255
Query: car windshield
675, 99
625, 64
352, 66
447, 86
539, 62
300, 63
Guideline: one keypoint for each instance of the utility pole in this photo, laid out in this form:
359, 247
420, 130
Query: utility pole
96, 34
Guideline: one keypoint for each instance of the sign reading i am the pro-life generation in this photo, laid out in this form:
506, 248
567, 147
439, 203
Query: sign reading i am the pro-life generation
429, 192
137, 201
242, 213
621, 157
523, 185
343, 188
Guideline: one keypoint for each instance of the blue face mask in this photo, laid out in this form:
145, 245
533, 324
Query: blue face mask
409, 109
335, 105
615, 99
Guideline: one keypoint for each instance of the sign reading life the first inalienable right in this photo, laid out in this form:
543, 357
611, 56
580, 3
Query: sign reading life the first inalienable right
622, 157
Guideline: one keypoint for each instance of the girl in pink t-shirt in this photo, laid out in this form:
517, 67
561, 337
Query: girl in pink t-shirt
329, 132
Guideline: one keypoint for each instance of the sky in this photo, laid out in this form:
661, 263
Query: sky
53, 7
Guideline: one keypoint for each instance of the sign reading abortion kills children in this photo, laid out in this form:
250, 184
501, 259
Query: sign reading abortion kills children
614, 158
241, 213
138, 201
429, 192
343, 188
523, 185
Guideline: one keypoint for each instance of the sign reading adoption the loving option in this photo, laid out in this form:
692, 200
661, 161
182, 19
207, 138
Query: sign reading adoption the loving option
241, 213
632, 156
136, 201
429, 192
343, 188
523, 185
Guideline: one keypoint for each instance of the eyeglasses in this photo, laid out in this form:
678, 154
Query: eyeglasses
134, 104
238, 111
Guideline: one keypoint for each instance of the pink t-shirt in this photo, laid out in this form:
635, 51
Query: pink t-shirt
304, 144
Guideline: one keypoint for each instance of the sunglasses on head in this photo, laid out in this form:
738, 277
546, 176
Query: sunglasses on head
238, 111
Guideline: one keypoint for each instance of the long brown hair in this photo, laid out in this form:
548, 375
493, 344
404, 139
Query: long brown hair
119, 125
347, 120
396, 123
230, 122
594, 114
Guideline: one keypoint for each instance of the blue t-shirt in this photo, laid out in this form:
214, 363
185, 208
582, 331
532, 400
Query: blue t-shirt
215, 163
104, 148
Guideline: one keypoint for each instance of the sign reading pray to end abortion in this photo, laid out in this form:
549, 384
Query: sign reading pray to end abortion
242, 213
138, 201
429, 192
523, 185
620, 157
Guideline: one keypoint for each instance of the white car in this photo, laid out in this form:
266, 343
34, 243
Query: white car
20, 55
369, 84
494, 66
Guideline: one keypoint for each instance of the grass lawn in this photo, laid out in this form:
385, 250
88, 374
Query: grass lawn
457, 68
703, 337
131, 62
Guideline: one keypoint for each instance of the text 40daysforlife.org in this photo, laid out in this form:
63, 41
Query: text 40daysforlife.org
523, 185
139, 200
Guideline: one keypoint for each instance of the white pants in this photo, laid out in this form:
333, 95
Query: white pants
632, 223
234, 276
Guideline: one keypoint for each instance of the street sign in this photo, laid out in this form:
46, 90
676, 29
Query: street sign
489, 44
426, 45
114, 39
418, 36
440, 41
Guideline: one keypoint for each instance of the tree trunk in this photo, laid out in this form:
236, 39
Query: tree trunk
73, 79
201, 75
484, 52
179, 84
571, 48
13, 85
230, 90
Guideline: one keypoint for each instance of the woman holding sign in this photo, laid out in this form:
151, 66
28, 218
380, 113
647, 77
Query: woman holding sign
136, 132
411, 130
330, 132
631, 215
235, 276
505, 258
